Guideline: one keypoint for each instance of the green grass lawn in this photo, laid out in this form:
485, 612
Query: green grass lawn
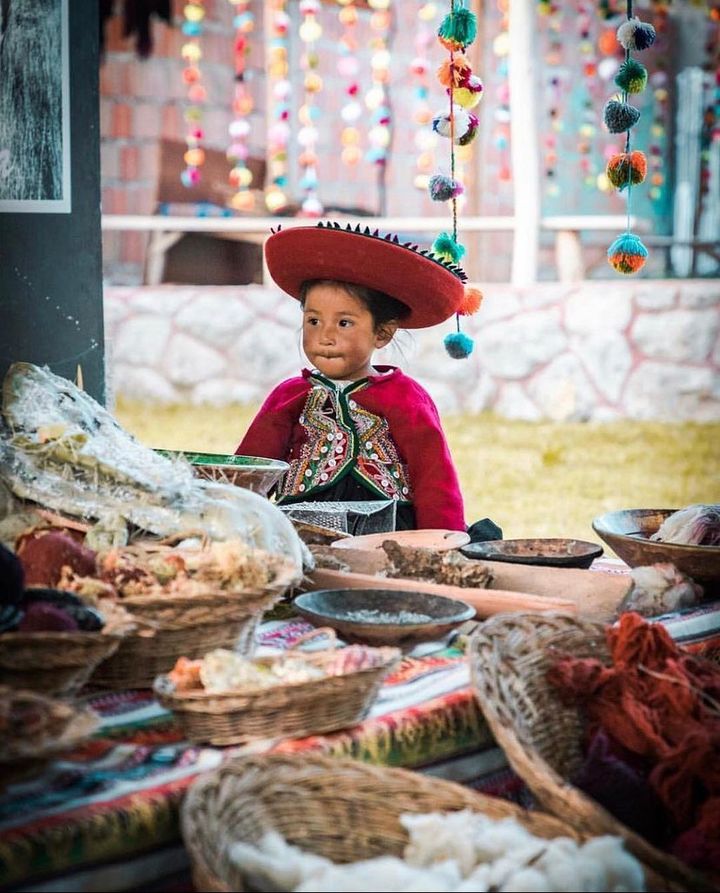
532, 478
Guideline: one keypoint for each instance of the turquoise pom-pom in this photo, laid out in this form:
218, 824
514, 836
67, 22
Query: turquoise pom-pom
627, 254
458, 27
459, 345
447, 248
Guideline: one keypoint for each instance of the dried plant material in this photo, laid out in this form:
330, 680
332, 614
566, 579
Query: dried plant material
151, 569
660, 589
451, 568
329, 558
317, 534
695, 525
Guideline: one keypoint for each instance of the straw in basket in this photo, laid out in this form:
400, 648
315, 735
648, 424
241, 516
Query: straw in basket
290, 710
541, 736
187, 626
342, 809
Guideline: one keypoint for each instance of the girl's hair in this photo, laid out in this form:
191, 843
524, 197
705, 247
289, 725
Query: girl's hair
381, 306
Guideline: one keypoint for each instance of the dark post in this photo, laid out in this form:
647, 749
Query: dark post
51, 310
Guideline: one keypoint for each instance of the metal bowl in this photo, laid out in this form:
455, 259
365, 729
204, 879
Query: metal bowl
545, 551
383, 616
627, 533
252, 472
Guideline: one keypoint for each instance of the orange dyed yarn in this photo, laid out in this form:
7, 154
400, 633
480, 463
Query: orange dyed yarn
656, 700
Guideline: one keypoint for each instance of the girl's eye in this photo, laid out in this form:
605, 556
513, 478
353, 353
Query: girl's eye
311, 320
345, 323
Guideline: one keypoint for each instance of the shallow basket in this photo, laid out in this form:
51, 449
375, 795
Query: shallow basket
542, 736
291, 710
54, 663
173, 627
342, 809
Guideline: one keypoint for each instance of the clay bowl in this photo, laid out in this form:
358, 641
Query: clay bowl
627, 533
544, 551
382, 616
252, 472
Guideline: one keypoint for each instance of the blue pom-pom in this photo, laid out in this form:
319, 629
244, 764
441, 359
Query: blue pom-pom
458, 345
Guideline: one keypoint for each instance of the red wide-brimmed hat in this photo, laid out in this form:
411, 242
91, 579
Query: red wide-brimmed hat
432, 288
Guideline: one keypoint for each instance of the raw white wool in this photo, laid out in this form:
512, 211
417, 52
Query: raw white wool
373, 615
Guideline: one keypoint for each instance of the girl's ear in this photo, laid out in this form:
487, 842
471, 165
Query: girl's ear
385, 332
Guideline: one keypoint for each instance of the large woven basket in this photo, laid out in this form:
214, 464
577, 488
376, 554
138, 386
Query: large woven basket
293, 710
54, 663
191, 626
541, 736
342, 809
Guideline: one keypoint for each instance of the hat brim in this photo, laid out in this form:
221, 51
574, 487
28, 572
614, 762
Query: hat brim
430, 291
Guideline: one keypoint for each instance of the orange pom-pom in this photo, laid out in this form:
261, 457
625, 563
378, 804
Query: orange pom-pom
453, 73
471, 301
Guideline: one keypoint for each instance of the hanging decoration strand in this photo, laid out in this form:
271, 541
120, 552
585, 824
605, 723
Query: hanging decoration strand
240, 175
627, 254
191, 53
464, 89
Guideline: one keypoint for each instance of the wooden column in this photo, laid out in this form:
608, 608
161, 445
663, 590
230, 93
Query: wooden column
51, 310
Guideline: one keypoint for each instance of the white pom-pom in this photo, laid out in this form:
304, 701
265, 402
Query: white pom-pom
636, 35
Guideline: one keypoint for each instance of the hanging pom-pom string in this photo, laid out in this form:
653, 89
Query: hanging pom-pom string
627, 254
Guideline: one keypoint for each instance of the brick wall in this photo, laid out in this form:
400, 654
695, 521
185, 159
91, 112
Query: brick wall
142, 101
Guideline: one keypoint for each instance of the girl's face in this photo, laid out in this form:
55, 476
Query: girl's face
339, 333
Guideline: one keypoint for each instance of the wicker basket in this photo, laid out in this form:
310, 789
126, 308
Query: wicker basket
541, 736
190, 627
54, 663
342, 809
293, 710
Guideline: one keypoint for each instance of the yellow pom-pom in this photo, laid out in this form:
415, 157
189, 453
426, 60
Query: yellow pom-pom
471, 302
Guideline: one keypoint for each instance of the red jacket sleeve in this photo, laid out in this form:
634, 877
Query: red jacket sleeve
417, 431
271, 432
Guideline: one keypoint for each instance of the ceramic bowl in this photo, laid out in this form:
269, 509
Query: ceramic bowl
382, 616
545, 551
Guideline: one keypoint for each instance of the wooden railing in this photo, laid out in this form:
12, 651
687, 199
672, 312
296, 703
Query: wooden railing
166, 230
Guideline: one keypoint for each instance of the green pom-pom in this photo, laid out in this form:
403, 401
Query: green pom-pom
458, 345
447, 248
632, 76
458, 28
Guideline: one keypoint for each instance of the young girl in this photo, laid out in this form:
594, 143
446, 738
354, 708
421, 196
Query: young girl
351, 430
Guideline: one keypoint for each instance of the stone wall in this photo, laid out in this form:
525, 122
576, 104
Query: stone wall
588, 351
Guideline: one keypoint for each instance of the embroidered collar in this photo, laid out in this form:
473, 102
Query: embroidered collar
380, 372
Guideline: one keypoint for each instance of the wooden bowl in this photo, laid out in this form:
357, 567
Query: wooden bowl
383, 616
627, 533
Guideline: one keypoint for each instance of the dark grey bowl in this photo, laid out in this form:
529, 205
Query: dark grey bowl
383, 616
544, 551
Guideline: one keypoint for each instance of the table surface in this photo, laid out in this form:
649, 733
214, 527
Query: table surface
104, 816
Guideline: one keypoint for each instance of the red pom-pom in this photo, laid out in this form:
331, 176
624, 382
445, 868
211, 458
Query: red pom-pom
471, 301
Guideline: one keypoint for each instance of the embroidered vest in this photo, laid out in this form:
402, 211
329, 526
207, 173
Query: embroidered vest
344, 438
